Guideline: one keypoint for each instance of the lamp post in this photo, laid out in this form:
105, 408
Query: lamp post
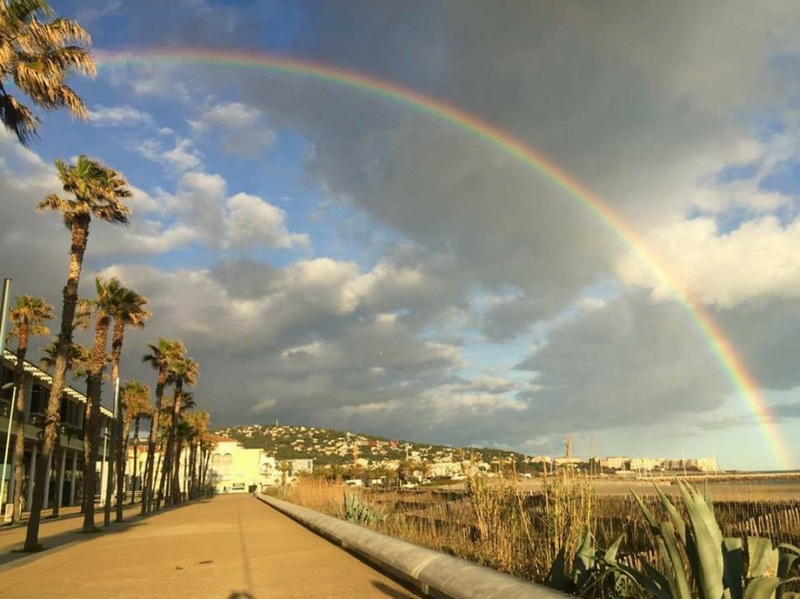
3, 311
114, 432
8, 436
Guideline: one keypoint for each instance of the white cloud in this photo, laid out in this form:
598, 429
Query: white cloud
238, 128
119, 116
251, 221
758, 259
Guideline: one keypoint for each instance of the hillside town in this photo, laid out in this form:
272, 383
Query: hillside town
270, 455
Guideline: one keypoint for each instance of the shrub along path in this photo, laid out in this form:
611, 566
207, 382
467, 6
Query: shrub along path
232, 546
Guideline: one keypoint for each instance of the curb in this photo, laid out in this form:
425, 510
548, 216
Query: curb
431, 572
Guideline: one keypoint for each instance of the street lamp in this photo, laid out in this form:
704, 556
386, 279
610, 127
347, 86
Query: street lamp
8, 435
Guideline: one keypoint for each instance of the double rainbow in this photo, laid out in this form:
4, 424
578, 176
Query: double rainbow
720, 346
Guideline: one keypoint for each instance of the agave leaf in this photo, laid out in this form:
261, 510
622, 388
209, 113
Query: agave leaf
707, 496
584, 561
648, 516
653, 582
763, 559
733, 555
785, 564
708, 543
557, 577
674, 516
763, 587
790, 548
610, 556
680, 582
790, 595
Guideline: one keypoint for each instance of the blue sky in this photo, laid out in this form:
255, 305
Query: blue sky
337, 260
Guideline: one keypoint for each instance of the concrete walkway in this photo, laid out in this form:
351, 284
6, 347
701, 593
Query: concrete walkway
232, 546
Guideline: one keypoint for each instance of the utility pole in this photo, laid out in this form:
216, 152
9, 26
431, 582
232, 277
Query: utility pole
4, 311
110, 479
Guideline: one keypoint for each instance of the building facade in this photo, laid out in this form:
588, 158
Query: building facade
64, 481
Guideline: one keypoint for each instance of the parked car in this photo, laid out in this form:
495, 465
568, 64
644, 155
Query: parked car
354, 482
409, 486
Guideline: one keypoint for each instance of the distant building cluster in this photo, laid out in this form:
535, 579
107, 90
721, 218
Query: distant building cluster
275, 455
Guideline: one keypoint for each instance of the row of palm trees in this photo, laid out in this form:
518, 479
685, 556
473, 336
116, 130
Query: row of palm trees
96, 191
38, 53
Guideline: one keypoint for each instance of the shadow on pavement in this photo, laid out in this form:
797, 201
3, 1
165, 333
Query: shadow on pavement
61, 539
390, 592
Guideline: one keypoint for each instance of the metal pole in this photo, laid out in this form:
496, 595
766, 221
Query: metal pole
8, 439
3, 313
109, 482
4, 308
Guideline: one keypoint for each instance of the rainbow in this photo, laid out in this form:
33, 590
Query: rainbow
731, 362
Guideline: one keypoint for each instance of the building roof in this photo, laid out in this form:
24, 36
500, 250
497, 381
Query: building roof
221, 439
43, 376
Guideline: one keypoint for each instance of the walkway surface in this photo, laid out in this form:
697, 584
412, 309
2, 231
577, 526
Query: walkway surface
232, 546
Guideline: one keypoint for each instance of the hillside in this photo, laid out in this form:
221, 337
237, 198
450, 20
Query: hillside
329, 446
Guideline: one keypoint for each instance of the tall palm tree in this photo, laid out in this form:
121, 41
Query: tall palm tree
38, 52
135, 404
128, 308
98, 192
161, 357
184, 371
198, 422
183, 433
109, 297
27, 318
78, 361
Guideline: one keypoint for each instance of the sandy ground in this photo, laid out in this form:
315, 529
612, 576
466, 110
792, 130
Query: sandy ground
232, 546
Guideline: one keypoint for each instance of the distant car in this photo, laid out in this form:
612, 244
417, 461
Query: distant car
425, 481
409, 486
527, 475
354, 482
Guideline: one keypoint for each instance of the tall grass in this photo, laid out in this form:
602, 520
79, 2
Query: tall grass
496, 523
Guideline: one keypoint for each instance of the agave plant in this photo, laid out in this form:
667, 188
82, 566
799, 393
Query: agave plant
357, 512
698, 562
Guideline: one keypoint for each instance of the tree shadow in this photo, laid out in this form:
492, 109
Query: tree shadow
240, 595
391, 592
58, 540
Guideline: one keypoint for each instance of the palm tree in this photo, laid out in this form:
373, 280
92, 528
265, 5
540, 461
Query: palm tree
183, 371
111, 300
37, 54
78, 357
27, 317
128, 309
161, 357
98, 191
135, 403
78, 361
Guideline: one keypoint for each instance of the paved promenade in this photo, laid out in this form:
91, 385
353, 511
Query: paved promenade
232, 546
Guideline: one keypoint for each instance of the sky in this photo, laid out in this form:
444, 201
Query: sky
334, 258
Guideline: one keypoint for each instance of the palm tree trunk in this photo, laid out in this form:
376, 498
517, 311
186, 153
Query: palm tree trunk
80, 235
122, 454
56, 503
121, 421
176, 480
135, 459
160, 471
90, 461
147, 492
166, 454
19, 425
87, 417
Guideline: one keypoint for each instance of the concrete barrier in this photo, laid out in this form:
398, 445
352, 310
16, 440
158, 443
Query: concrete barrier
434, 574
